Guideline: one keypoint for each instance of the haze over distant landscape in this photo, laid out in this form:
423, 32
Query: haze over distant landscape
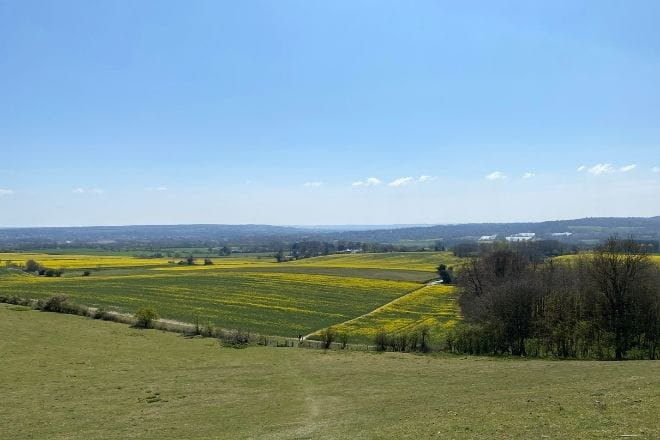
307, 113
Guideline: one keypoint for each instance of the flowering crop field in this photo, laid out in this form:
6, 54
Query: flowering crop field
655, 258
423, 261
258, 294
284, 304
80, 261
401, 266
433, 306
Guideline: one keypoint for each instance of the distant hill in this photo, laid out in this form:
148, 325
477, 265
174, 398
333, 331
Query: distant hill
584, 230
150, 233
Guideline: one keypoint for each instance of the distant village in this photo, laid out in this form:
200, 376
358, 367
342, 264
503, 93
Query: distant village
521, 236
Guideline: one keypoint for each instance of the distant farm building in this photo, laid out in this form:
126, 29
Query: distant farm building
561, 234
487, 238
522, 236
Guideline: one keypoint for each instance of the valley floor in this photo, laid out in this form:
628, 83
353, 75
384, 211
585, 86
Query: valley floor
69, 377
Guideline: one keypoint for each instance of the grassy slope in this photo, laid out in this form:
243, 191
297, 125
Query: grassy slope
271, 303
74, 378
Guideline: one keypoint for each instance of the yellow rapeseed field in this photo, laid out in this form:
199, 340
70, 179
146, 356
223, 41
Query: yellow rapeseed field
434, 306
274, 298
80, 261
425, 261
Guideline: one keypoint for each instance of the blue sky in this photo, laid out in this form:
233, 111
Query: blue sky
280, 112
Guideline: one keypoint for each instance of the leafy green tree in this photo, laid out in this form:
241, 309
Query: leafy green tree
32, 266
445, 274
145, 317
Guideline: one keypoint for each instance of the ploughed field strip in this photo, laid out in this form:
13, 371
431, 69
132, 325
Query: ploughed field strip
284, 304
433, 306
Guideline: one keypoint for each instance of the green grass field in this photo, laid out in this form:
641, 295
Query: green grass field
267, 303
68, 377
252, 293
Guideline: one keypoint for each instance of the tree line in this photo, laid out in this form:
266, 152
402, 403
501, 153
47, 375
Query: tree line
603, 305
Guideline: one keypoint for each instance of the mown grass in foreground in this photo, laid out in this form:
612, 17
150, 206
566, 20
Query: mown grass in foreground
75, 378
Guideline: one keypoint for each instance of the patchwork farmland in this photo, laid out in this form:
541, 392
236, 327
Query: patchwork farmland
256, 294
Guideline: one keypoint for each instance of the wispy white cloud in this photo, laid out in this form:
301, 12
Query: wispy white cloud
655, 169
81, 190
400, 181
528, 175
627, 168
496, 175
426, 178
6, 192
601, 168
581, 168
157, 188
312, 184
371, 181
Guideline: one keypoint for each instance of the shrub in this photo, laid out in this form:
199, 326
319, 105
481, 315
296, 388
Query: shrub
86, 273
424, 339
328, 336
208, 330
145, 317
208, 262
343, 339
237, 338
15, 300
101, 314
402, 341
381, 340
413, 341
32, 266
61, 304
197, 330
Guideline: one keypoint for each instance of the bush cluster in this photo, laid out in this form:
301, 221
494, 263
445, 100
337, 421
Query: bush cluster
62, 304
418, 340
238, 338
145, 317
